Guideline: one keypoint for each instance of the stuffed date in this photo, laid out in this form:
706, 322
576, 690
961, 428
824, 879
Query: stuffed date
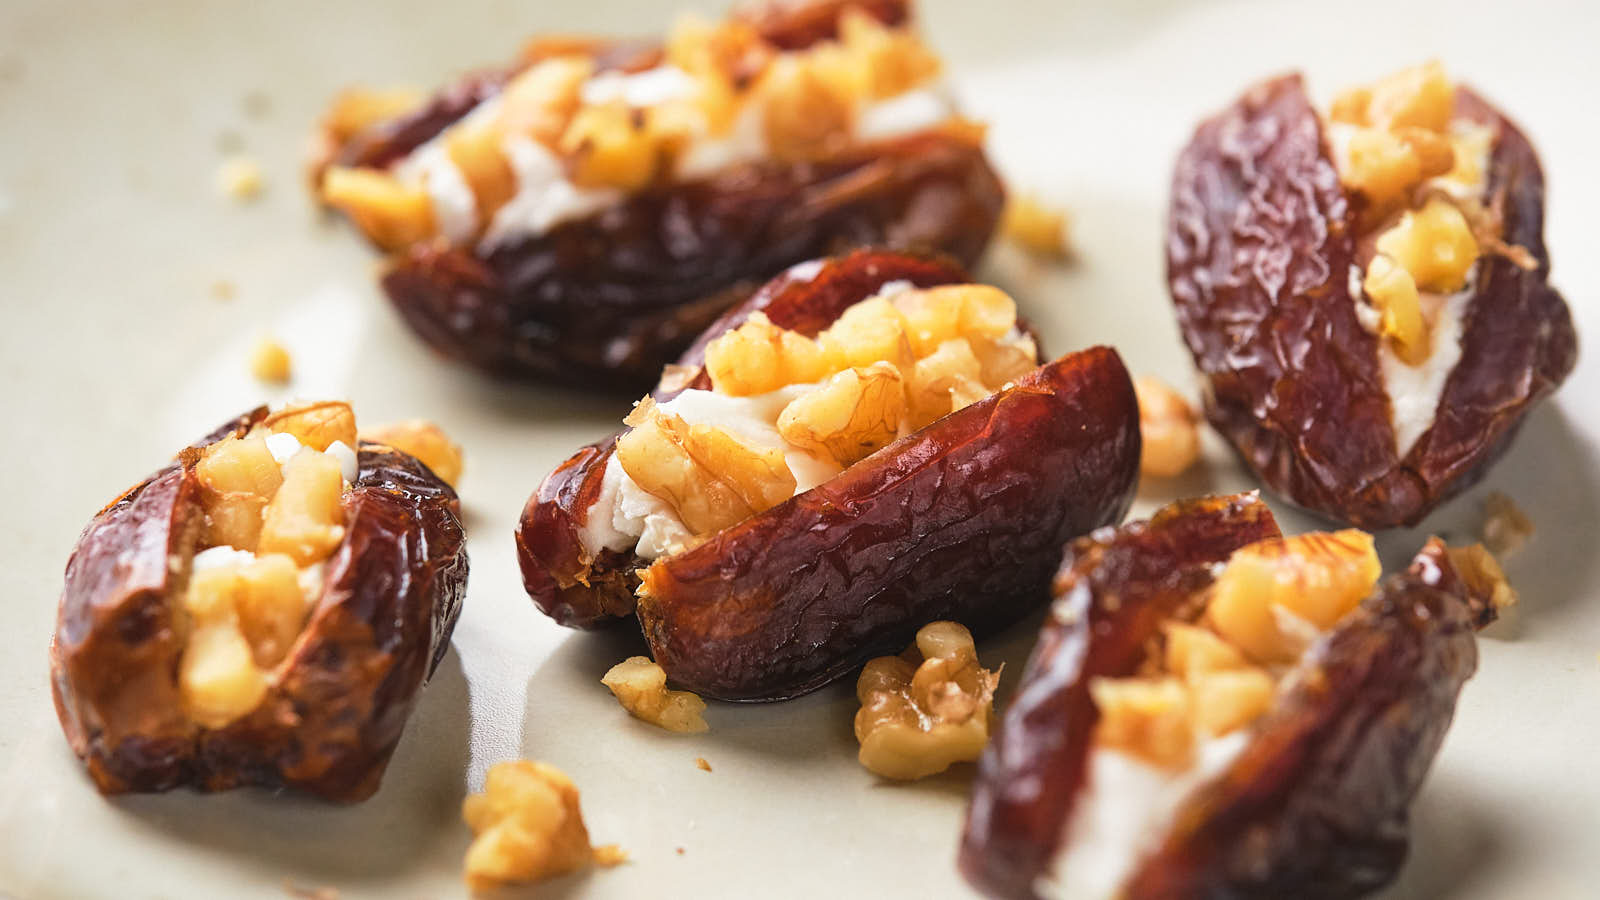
1214, 710
263, 611
1365, 293
583, 214
868, 445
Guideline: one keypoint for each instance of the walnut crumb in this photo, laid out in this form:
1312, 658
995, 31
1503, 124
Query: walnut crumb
223, 289
641, 687
1506, 529
270, 361
527, 827
700, 761
240, 179
1036, 228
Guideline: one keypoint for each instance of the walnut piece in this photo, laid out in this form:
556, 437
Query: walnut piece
1265, 587
926, 710
758, 357
641, 687
316, 425
848, 417
1167, 428
710, 477
1393, 293
1434, 244
270, 361
424, 440
1506, 529
1035, 227
391, 213
1147, 717
237, 477
542, 99
305, 518
240, 179
527, 826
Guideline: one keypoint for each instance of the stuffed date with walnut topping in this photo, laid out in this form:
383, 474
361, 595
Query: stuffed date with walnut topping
263, 611
1366, 293
1214, 710
868, 445
584, 213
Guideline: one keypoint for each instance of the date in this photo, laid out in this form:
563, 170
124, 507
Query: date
1345, 737
659, 248
143, 664
958, 520
1266, 244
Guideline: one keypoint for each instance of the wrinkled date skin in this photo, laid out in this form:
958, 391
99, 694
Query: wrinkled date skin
961, 520
329, 724
1259, 247
609, 299
1315, 805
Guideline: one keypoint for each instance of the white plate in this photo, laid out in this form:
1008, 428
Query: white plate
114, 351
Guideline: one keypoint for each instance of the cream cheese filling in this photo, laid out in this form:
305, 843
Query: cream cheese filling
1122, 814
546, 197
1415, 390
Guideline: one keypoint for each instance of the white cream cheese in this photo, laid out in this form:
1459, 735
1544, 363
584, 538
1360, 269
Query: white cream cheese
1122, 814
283, 446
652, 87
1414, 391
221, 558
546, 197
341, 451
627, 516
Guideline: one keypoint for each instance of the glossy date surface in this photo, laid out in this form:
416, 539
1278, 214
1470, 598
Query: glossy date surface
1260, 242
1315, 805
390, 598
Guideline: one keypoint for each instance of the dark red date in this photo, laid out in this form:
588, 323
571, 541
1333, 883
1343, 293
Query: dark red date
1260, 242
392, 592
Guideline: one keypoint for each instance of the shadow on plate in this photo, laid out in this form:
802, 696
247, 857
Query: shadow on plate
1454, 840
414, 816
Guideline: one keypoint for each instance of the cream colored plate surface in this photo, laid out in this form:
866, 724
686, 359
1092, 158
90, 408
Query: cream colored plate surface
114, 351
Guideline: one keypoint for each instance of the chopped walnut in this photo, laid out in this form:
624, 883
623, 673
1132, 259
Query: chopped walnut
476, 152
218, 679
1506, 529
1434, 244
701, 764
609, 147
927, 709
949, 378
240, 179
1151, 718
808, 106
1167, 428
641, 687
1393, 292
1481, 571
542, 99
527, 826
316, 425
758, 357
393, 214
709, 476
237, 477
1036, 228
424, 440
1267, 586
868, 332
269, 361
305, 517
848, 417
893, 61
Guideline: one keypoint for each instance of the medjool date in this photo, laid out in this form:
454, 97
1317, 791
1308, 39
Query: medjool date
584, 215
293, 661
1159, 682
1354, 376
953, 519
